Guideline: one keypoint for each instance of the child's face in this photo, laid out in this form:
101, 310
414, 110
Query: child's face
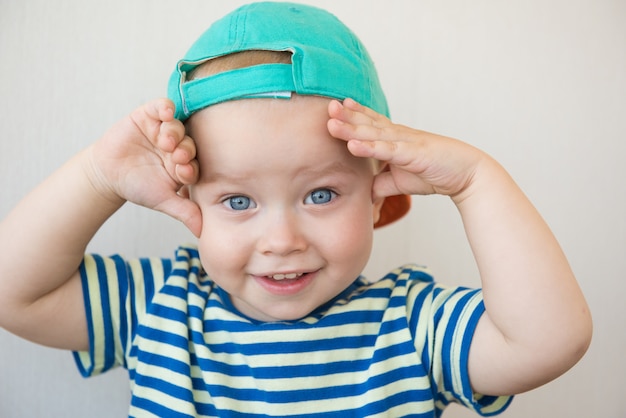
287, 211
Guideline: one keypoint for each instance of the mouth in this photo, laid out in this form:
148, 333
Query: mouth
287, 276
285, 284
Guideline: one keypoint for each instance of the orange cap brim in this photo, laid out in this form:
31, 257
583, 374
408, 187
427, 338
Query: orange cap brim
394, 208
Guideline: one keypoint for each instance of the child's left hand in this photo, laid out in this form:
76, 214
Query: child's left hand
536, 323
418, 162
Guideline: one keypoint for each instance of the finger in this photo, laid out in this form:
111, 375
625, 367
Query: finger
187, 173
149, 117
385, 185
165, 108
362, 127
185, 151
184, 210
161, 109
171, 133
191, 217
409, 156
353, 112
181, 164
357, 109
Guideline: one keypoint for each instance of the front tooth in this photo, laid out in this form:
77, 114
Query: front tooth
286, 276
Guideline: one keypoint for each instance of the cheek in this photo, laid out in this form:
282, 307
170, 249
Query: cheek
350, 238
221, 252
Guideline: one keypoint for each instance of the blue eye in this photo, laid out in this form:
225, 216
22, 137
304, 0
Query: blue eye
239, 203
320, 196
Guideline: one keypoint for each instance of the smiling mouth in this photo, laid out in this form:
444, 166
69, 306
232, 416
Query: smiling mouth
288, 276
286, 284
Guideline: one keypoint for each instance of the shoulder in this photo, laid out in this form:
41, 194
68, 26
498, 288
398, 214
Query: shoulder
404, 280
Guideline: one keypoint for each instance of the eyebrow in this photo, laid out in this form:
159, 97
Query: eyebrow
314, 172
332, 168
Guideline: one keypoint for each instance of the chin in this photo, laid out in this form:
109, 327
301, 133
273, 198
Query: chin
287, 315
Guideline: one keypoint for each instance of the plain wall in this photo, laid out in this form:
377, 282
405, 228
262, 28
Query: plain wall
539, 85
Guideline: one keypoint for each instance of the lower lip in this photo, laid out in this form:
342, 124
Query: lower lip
286, 287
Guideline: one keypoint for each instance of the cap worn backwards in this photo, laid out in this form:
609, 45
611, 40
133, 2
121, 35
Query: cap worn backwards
327, 59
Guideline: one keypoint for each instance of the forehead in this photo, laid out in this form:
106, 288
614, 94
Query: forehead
309, 110
269, 133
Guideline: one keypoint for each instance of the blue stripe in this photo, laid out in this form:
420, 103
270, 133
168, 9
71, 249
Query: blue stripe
234, 414
466, 342
321, 393
156, 409
164, 386
148, 278
202, 291
169, 313
187, 253
397, 301
373, 292
450, 332
396, 399
400, 349
366, 410
123, 285
134, 321
165, 337
330, 321
293, 347
183, 293
300, 370
83, 371
165, 362
439, 313
417, 274
394, 325
308, 369
109, 346
418, 305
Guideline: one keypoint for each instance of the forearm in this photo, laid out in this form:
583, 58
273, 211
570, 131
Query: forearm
42, 241
537, 323
530, 293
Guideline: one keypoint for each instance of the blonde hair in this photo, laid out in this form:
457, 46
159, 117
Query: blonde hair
237, 60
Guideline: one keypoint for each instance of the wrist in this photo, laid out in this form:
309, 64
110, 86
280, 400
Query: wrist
98, 183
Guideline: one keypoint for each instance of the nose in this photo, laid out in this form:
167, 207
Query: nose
282, 235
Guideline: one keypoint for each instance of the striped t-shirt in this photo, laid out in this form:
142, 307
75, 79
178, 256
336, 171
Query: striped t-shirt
393, 348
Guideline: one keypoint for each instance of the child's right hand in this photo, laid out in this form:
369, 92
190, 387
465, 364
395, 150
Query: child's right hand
147, 159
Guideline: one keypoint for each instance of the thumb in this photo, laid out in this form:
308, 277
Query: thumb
384, 186
184, 210
389, 183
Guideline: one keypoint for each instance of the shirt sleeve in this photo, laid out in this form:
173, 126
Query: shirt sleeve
443, 320
116, 294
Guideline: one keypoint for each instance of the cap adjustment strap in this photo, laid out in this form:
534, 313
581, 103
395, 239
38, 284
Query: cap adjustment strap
265, 80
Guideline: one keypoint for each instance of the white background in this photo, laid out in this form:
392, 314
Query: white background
539, 85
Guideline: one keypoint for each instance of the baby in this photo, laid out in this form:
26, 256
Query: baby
275, 148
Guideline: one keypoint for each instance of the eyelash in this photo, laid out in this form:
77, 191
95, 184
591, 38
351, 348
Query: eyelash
228, 202
310, 196
234, 202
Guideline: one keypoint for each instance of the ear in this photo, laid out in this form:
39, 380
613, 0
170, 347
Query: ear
379, 167
377, 205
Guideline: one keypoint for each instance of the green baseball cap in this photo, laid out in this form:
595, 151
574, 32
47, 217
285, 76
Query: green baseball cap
327, 59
